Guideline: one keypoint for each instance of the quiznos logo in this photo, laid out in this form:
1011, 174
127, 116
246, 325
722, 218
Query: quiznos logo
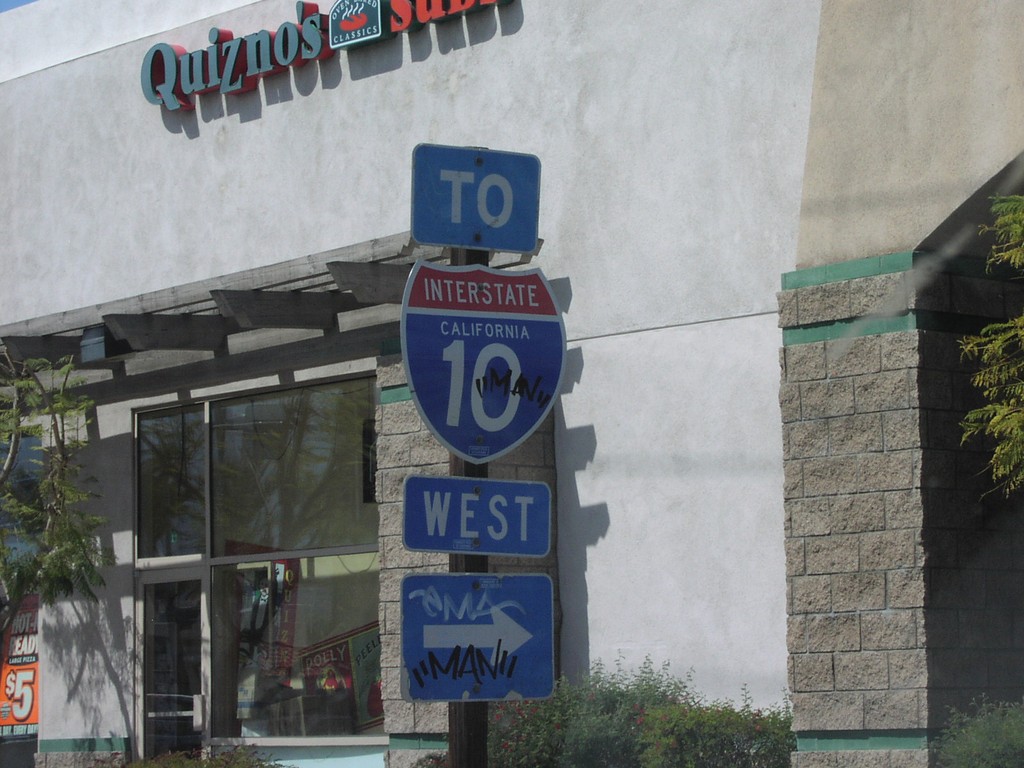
172, 76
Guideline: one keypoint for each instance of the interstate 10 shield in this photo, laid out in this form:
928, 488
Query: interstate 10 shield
484, 353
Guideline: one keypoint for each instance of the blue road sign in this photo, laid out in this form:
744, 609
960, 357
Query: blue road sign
477, 516
469, 197
484, 353
477, 637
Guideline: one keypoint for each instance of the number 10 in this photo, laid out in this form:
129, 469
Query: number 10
455, 353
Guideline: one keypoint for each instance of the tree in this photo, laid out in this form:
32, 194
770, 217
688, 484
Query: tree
999, 349
48, 542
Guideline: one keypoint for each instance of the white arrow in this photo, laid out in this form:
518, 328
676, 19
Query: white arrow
503, 630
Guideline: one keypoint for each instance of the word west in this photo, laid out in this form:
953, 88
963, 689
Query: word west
471, 661
437, 506
231, 65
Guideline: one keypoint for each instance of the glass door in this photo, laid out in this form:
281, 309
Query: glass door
172, 667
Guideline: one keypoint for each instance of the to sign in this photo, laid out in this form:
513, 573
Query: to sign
475, 198
477, 637
484, 352
479, 516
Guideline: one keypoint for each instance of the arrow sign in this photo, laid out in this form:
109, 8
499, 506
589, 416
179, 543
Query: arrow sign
477, 637
504, 632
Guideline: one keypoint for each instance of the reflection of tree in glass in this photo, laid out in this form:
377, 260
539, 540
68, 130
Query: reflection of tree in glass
172, 487
288, 470
23, 482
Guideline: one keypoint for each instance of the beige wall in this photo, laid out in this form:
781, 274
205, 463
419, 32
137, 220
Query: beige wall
915, 105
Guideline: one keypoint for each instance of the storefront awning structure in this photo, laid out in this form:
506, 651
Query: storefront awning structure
336, 306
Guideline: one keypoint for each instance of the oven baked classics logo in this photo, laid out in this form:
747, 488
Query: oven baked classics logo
358, 22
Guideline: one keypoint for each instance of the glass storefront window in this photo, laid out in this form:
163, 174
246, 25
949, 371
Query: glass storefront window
284, 483
296, 647
290, 470
172, 483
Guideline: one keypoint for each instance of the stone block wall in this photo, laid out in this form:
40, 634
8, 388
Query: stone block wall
406, 447
904, 578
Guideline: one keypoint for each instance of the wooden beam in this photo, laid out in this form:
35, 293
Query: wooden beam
164, 331
51, 348
284, 309
196, 295
283, 361
371, 282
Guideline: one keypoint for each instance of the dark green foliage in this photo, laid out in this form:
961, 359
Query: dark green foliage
717, 736
636, 720
48, 541
989, 736
433, 760
999, 350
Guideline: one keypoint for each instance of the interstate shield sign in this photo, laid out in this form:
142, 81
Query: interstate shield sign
484, 354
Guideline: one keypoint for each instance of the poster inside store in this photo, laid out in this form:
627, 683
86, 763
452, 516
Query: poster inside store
19, 673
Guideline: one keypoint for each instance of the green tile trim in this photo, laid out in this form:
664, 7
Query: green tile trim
963, 266
113, 744
842, 741
391, 347
912, 320
419, 741
848, 270
845, 329
396, 394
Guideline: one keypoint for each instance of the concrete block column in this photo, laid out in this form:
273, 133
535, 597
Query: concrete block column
902, 575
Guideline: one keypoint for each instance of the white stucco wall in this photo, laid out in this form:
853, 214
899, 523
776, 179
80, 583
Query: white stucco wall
672, 139
670, 536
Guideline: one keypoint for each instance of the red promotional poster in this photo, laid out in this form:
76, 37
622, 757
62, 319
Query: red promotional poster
19, 673
344, 672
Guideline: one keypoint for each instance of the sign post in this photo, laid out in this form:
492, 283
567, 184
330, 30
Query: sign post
484, 352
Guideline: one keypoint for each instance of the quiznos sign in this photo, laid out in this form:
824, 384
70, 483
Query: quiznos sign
172, 76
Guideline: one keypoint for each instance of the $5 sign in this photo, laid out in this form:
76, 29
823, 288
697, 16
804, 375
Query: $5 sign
20, 691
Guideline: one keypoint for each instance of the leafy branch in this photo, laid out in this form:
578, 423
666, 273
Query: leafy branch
48, 542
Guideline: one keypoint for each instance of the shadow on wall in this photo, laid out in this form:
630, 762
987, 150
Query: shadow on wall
962, 227
580, 527
89, 645
972, 537
363, 62
974, 593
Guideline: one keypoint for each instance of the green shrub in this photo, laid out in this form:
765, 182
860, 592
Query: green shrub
593, 724
717, 736
636, 719
433, 760
989, 736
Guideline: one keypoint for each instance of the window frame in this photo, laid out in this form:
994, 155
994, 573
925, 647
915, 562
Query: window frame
200, 566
